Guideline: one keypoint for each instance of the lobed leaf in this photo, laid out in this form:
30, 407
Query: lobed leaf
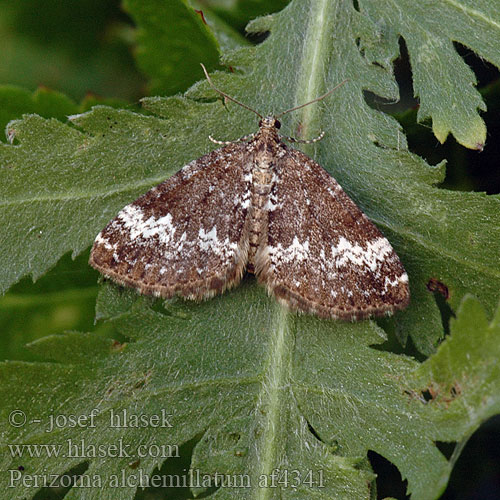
442, 80
62, 185
264, 389
15, 101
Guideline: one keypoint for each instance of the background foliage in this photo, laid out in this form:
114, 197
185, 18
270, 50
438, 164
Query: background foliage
76, 53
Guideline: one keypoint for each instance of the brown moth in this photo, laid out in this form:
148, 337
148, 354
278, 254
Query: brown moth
259, 205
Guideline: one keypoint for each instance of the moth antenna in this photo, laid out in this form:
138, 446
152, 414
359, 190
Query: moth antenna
320, 98
228, 96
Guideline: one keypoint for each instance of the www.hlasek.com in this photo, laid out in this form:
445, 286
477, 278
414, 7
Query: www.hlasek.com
81, 449
194, 478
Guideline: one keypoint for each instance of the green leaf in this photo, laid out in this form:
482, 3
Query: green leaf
227, 37
463, 377
264, 389
76, 47
165, 52
238, 12
442, 80
61, 185
14, 102
64, 299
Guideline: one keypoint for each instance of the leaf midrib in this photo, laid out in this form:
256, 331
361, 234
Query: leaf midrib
276, 376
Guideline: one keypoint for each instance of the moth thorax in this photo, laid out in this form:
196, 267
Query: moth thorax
263, 176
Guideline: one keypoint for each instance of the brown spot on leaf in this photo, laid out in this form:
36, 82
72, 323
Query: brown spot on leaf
118, 346
434, 285
436, 393
200, 13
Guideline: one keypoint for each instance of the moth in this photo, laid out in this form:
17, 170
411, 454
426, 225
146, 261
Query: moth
259, 205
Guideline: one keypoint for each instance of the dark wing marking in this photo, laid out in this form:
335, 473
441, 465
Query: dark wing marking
186, 236
322, 254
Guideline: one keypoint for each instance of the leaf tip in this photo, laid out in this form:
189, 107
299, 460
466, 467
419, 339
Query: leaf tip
74, 118
471, 136
10, 131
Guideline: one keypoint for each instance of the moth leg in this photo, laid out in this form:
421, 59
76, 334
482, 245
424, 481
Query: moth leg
225, 143
302, 141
